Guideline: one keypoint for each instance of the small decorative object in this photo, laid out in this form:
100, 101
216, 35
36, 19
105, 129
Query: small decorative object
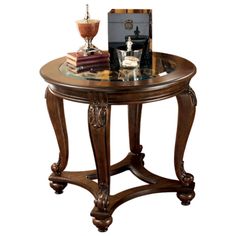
129, 45
130, 58
133, 23
88, 58
88, 29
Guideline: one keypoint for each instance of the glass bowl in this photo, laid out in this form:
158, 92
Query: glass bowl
129, 59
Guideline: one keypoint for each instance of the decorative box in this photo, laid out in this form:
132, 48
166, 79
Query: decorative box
136, 23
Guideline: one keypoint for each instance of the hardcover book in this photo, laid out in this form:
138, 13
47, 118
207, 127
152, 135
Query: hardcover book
91, 68
77, 56
87, 62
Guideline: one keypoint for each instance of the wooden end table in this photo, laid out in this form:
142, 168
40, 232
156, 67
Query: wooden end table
169, 76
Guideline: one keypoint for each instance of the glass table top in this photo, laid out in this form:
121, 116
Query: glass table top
158, 67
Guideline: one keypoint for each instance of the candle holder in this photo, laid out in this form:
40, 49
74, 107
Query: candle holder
88, 29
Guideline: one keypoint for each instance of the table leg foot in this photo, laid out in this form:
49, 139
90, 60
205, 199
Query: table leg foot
102, 224
186, 198
58, 187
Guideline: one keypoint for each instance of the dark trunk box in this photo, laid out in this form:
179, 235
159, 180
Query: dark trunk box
136, 23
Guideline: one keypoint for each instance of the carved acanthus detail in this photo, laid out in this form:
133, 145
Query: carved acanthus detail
192, 95
55, 167
97, 115
102, 201
186, 178
97, 112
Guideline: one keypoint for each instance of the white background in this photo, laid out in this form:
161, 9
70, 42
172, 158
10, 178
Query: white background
35, 32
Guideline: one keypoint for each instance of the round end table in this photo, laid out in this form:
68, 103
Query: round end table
168, 76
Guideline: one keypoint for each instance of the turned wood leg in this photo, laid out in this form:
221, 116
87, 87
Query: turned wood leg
187, 103
99, 129
134, 116
56, 113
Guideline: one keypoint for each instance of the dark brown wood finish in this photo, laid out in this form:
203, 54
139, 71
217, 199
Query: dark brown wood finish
56, 112
99, 128
187, 103
100, 95
134, 116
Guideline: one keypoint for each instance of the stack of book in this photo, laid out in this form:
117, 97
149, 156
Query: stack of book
77, 62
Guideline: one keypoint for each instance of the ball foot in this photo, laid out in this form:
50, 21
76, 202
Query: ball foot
103, 224
58, 187
186, 198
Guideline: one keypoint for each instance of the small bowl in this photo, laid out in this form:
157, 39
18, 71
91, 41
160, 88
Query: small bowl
129, 59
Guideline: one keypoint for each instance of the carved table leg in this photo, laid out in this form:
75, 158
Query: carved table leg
56, 113
99, 129
134, 116
187, 103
